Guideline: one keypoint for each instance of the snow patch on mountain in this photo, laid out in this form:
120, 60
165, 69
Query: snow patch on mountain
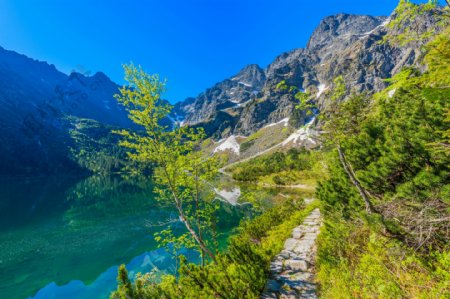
386, 22
245, 84
230, 144
322, 88
284, 120
243, 104
303, 136
376, 28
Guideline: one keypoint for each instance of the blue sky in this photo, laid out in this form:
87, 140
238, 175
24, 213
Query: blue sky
192, 43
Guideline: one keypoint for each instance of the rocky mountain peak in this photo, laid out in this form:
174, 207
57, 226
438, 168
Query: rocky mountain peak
251, 75
225, 97
341, 25
101, 76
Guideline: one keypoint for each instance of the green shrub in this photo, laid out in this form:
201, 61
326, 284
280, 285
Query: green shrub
294, 159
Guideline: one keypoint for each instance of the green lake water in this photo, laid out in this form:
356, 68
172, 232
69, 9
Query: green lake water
63, 237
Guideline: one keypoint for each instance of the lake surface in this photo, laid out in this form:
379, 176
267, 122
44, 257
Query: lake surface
64, 237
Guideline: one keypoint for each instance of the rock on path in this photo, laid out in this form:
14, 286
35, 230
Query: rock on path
291, 272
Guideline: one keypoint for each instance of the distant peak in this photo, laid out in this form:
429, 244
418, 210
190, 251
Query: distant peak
251, 75
252, 66
98, 77
250, 69
101, 76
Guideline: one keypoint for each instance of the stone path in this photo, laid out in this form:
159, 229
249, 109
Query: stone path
292, 270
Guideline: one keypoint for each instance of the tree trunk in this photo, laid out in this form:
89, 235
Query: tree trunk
199, 225
183, 219
194, 234
354, 180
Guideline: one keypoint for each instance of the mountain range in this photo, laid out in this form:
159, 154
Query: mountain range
349, 45
51, 122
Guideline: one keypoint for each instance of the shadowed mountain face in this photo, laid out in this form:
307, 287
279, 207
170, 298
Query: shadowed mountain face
40, 106
347, 45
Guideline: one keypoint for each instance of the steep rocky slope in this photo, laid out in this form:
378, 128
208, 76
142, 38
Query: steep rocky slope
348, 45
221, 104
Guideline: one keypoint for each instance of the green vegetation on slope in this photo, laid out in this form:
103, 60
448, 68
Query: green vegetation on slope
95, 147
293, 167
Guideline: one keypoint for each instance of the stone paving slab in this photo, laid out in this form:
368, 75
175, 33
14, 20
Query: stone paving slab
291, 271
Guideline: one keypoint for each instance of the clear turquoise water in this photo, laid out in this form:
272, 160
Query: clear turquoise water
64, 237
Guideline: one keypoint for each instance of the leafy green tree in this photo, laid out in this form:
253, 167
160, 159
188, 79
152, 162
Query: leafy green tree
181, 171
305, 102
